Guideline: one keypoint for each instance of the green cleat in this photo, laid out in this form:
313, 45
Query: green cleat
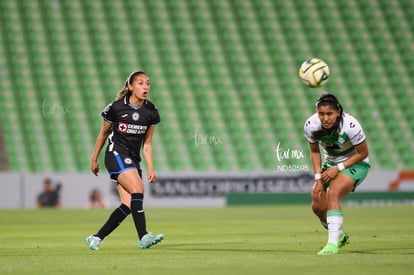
329, 249
93, 242
343, 240
149, 240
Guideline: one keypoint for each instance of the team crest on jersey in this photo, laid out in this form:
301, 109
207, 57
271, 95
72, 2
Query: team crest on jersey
135, 116
128, 161
122, 127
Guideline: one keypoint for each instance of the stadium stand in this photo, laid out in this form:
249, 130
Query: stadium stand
224, 77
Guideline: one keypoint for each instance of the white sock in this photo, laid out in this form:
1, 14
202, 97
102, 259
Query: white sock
335, 220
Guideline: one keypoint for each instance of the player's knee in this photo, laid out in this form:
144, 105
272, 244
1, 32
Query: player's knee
126, 203
319, 203
333, 193
317, 208
317, 196
139, 187
135, 188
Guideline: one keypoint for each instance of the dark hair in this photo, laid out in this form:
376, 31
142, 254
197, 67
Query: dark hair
129, 80
93, 193
331, 100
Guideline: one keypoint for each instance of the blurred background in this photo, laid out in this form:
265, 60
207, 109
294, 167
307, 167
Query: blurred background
224, 77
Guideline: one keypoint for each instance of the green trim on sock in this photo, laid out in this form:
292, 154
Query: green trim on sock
331, 213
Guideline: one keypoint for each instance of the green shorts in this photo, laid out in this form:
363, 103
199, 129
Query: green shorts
358, 172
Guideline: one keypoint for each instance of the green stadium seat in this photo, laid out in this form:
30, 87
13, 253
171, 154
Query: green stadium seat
226, 68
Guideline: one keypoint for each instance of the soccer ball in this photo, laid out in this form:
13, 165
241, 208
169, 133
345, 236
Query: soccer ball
314, 72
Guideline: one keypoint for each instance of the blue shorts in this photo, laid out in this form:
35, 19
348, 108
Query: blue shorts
116, 163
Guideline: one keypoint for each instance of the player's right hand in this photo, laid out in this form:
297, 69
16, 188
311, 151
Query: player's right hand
95, 167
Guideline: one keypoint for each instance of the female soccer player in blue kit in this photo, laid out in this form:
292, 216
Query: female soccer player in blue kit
345, 165
128, 123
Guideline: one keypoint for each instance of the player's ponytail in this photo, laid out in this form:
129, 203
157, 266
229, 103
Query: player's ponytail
125, 90
329, 99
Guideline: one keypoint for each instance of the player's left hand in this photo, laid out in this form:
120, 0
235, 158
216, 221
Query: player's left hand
151, 176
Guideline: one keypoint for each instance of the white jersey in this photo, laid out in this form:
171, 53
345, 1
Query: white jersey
338, 146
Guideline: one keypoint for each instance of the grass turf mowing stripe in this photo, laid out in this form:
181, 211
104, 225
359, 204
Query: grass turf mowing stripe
233, 240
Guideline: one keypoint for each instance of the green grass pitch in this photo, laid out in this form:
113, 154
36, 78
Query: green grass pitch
233, 240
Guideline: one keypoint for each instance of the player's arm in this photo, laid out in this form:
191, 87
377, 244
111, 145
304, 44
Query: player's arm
315, 156
100, 141
359, 142
361, 153
147, 152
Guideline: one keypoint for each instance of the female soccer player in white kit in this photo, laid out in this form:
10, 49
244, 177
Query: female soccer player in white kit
344, 166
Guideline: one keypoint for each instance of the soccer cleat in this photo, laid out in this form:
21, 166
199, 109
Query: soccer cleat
329, 249
149, 240
93, 242
343, 240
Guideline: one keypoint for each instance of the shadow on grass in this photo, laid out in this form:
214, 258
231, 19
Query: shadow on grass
380, 251
224, 247
203, 247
